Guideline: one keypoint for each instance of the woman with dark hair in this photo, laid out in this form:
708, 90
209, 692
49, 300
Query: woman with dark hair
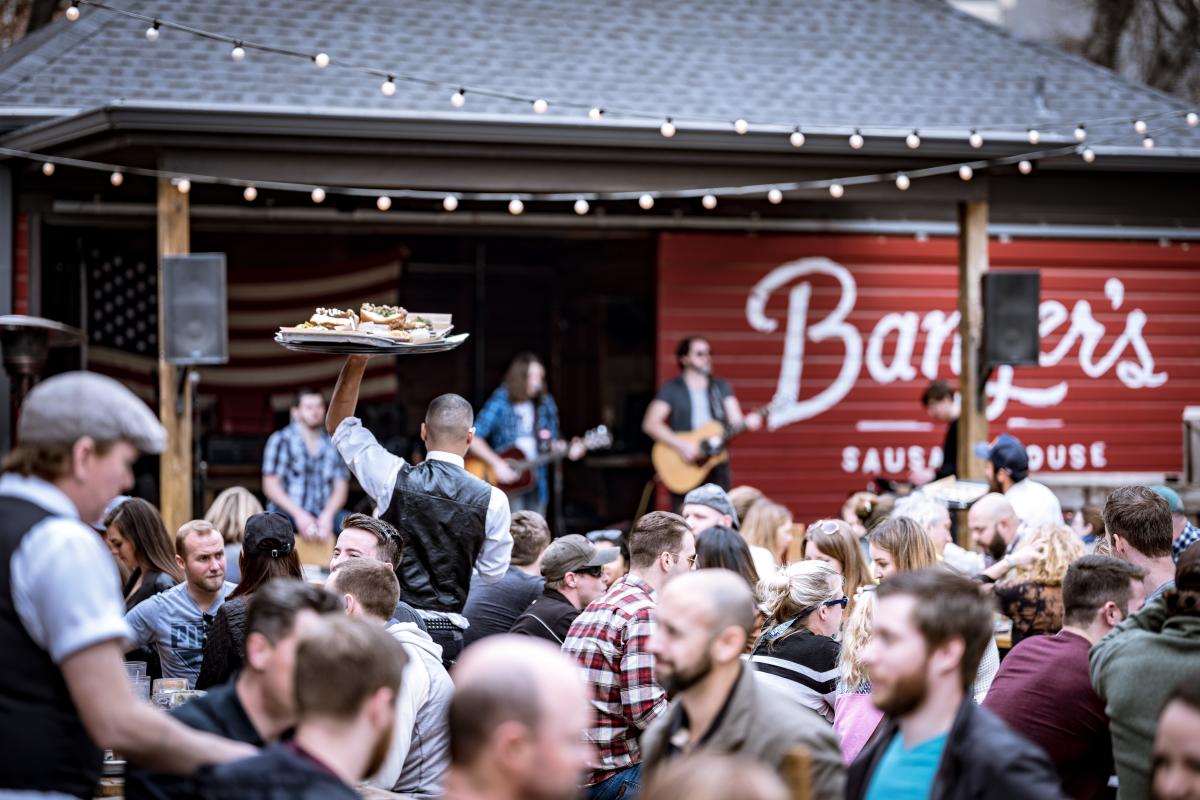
268, 551
724, 548
138, 539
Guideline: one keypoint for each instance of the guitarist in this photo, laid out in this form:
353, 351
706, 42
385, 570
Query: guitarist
691, 400
521, 413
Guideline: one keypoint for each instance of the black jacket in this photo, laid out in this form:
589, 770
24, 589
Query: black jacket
279, 772
983, 760
549, 617
225, 644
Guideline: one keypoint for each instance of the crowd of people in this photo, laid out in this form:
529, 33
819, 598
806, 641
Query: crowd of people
455, 648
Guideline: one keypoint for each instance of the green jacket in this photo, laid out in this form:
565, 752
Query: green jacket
1133, 670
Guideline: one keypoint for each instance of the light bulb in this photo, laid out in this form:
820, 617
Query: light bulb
321, 60
1139, 125
667, 129
383, 203
388, 87
152, 33
515, 206
836, 190
646, 202
73, 12
709, 201
540, 106
237, 53
797, 138
856, 140
775, 197
1148, 143
458, 99
47, 169
183, 185
450, 202
975, 139
913, 140
1193, 119
1034, 136
318, 195
965, 172
1025, 167
1088, 155
741, 126
595, 114
249, 194
581, 206
116, 179
1080, 132
903, 182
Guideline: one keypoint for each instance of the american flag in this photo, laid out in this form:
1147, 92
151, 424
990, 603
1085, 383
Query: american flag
261, 377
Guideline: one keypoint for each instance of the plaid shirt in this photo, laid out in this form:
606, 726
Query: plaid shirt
1187, 537
308, 479
610, 640
498, 425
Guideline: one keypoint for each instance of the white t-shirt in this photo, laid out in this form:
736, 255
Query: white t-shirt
526, 438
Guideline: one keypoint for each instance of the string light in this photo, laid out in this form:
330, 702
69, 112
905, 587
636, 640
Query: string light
152, 32
388, 87
836, 190
540, 106
595, 114
250, 194
183, 185
709, 201
667, 129
646, 202
856, 140
741, 126
975, 139
1193, 119
116, 179
1025, 167
515, 206
450, 202
238, 52
1080, 132
1139, 126
1034, 136
1088, 155
1148, 142
965, 172
47, 169
73, 12
383, 203
459, 98
774, 197
797, 138
913, 140
581, 206
318, 195
903, 182
321, 60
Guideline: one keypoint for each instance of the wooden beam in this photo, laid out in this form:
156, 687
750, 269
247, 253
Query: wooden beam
175, 470
972, 263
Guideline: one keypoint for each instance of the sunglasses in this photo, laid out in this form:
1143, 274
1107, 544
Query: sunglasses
826, 526
595, 572
842, 601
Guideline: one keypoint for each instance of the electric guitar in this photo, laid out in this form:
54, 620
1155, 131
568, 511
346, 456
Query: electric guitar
680, 476
597, 438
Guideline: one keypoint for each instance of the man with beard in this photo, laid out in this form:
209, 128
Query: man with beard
176, 621
704, 622
994, 526
303, 475
346, 679
572, 568
930, 629
1006, 468
517, 723
708, 506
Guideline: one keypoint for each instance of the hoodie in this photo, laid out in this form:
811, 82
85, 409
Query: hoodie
420, 752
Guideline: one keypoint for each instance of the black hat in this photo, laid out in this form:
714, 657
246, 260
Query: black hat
271, 533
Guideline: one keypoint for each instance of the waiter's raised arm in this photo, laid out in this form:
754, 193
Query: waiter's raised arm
345, 394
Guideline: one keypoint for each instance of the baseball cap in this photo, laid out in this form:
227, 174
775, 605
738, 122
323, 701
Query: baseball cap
572, 553
1005, 452
269, 532
715, 498
67, 407
1171, 496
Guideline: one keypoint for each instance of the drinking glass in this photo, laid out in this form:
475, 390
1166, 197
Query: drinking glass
141, 688
135, 669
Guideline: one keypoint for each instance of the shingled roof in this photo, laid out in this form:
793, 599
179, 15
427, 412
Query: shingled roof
914, 63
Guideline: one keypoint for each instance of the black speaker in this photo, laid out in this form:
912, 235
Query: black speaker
1010, 318
194, 317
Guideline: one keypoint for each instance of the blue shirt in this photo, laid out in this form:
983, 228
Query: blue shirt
498, 425
904, 773
177, 627
306, 477
1187, 537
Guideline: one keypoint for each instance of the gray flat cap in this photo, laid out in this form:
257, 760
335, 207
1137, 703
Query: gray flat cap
715, 498
67, 407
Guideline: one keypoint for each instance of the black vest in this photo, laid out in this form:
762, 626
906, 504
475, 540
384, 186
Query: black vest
441, 511
43, 745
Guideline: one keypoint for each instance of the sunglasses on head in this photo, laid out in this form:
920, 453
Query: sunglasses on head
826, 526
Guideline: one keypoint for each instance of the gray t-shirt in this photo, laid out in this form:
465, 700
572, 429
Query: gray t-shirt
176, 626
493, 608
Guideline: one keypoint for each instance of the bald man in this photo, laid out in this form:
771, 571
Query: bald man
450, 520
704, 621
993, 525
517, 723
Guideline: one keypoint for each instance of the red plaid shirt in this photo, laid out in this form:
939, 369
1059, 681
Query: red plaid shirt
610, 640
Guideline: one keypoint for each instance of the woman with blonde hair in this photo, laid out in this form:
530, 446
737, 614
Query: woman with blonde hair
834, 542
856, 719
228, 514
797, 653
1032, 598
767, 528
900, 545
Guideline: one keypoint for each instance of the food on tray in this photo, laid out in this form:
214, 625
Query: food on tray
392, 317
377, 321
334, 319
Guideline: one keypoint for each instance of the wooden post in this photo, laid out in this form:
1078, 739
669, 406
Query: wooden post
175, 470
972, 263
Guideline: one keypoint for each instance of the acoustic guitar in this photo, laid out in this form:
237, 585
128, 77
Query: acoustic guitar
597, 438
680, 476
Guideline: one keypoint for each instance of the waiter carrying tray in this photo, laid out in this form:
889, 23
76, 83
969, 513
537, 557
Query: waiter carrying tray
451, 521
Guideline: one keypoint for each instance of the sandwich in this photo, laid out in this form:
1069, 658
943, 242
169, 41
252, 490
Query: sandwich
389, 317
334, 319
